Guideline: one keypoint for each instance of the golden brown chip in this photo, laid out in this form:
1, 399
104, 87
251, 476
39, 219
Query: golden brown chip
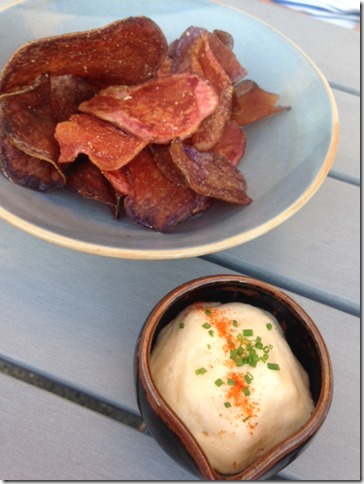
251, 103
210, 174
127, 51
108, 147
154, 201
157, 110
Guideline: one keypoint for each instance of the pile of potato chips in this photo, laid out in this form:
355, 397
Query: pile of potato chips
119, 116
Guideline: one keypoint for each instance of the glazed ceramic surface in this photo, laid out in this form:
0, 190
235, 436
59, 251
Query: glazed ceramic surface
303, 337
287, 156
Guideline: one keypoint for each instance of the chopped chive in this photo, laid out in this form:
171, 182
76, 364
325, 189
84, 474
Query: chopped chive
211, 333
231, 382
246, 391
247, 332
206, 325
235, 323
181, 325
227, 404
200, 371
209, 347
273, 366
248, 377
233, 353
219, 382
208, 312
269, 326
246, 418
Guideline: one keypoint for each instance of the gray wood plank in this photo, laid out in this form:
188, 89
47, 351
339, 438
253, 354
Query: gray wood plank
44, 437
88, 313
315, 253
346, 164
320, 40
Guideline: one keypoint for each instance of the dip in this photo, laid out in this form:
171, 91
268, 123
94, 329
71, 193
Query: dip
229, 374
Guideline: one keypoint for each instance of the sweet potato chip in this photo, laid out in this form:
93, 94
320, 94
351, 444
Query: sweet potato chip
27, 120
108, 147
232, 143
186, 46
194, 54
167, 166
251, 103
157, 110
155, 202
28, 171
118, 180
87, 180
127, 51
67, 92
210, 174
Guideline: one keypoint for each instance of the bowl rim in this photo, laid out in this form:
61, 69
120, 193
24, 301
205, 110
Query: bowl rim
282, 449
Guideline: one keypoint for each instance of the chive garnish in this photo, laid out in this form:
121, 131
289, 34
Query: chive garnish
231, 382
227, 404
206, 325
181, 325
208, 312
235, 323
248, 377
211, 333
246, 418
200, 371
273, 366
246, 391
219, 382
247, 332
269, 326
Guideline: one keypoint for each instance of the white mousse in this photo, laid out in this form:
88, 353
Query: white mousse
209, 366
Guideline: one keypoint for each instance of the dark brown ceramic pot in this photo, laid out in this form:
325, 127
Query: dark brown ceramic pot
303, 337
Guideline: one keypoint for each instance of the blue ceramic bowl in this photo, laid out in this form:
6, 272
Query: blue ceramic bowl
303, 337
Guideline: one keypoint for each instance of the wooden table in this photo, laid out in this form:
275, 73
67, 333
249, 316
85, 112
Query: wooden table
69, 321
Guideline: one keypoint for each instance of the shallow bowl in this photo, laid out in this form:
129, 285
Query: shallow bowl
303, 337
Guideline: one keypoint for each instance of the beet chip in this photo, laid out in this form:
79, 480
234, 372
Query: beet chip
155, 202
28, 171
127, 51
158, 110
106, 146
27, 120
251, 103
87, 180
210, 174
232, 143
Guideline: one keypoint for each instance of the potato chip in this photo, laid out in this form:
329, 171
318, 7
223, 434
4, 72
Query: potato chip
107, 147
232, 143
67, 92
210, 174
154, 201
27, 120
167, 166
251, 103
87, 180
28, 171
118, 180
157, 110
127, 51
